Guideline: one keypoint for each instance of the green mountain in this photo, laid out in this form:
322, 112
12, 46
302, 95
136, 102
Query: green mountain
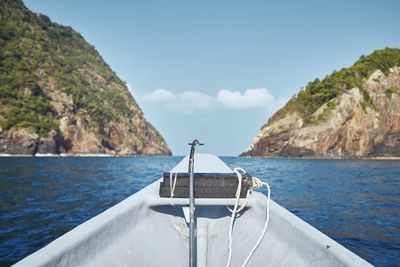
353, 112
57, 95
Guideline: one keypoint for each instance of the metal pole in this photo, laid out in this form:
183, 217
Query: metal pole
192, 226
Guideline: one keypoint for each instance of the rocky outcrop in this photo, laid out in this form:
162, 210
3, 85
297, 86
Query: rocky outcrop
344, 127
57, 95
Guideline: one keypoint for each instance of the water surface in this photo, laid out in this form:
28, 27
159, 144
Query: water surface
355, 202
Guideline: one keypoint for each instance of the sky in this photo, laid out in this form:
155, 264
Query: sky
217, 70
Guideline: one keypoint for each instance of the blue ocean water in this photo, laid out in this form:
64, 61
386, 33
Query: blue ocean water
355, 202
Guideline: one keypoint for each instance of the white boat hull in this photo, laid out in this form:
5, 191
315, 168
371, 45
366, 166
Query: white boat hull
146, 230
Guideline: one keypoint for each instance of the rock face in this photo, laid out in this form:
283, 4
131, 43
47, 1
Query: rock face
343, 127
57, 95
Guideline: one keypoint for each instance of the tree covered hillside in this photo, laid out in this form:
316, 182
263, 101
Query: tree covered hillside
319, 92
53, 84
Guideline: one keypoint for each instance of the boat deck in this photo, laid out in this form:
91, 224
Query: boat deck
146, 230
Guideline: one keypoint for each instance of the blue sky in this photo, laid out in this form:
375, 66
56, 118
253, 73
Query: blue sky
217, 70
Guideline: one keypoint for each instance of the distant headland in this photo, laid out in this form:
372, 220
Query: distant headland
58, 96
352, 113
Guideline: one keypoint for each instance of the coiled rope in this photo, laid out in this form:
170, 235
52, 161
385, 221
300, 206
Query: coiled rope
256, 183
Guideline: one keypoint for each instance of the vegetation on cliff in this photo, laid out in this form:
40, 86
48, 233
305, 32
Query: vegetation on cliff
352, 113
48, 71
30, 42
319, 92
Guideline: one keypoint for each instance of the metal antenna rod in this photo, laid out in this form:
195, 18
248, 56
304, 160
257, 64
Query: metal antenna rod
192, 230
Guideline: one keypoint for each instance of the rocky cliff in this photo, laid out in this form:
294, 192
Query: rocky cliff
57, 95
352, 113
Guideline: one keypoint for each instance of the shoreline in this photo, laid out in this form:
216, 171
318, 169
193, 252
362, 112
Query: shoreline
49, 155
102, 155
327, 158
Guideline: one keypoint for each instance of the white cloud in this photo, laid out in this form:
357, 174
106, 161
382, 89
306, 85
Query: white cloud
195, 100
191, 100
187, 100
160, 96
252, 98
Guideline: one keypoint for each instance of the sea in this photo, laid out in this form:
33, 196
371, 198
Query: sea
355, 202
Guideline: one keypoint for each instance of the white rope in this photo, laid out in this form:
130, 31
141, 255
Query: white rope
244, 203
239, 175
256, 183
172, 186
248, 192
